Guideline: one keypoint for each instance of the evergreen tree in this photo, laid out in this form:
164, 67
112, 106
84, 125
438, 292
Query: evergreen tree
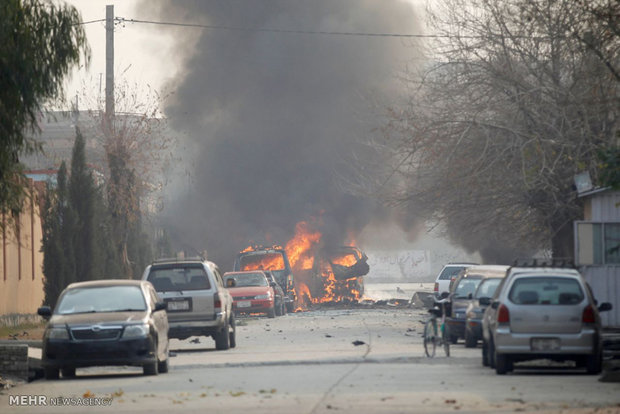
58, 227
82, 198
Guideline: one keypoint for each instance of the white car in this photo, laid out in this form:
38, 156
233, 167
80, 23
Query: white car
448, 274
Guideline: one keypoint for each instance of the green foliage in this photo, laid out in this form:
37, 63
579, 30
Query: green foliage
39, 44
609, 170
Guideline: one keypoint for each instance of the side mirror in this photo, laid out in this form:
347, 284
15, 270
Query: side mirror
484, 301
273, 284
604, 307
45, 312
159, 306
495, 305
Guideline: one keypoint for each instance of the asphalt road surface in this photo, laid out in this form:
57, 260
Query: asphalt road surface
308, 363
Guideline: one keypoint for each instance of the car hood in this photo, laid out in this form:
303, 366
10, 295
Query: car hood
103, 318
249, 290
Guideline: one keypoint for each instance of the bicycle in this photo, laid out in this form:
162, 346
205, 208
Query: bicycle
436, 335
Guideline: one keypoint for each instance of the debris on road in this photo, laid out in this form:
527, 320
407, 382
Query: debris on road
358, 343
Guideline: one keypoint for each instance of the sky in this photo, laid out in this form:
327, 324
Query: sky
266, 119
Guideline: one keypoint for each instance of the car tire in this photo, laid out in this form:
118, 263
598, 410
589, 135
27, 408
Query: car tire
151, 368
503, 363
491, 354
470, 339
51, 373
454, 339
284, 309
68, 372
232, 335
290, 307
222, 338
594, 364
164, 366
271, 312
278, 309
485, 353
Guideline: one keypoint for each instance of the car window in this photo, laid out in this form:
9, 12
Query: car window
486, 288
449, 272
102, 299
262, 261
248, 279
179, 277
546, 291
466, 287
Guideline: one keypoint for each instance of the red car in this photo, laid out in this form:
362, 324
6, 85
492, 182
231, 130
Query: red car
251, 292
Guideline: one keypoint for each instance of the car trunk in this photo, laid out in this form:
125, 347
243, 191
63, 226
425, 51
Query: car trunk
189, 305
545, 319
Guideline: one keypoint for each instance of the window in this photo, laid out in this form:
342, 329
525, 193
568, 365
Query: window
466, 287
179, 277
597, 243
487, 287
449, 272
546, 291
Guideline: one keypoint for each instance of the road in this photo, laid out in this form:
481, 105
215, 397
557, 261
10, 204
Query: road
307, 363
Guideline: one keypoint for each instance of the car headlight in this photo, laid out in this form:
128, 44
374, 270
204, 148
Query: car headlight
59, 332
136, 331
265, 296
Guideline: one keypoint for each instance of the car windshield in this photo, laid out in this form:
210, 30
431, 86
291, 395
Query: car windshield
101, 299
487, 288
449, 272
247, 279
466, 287
175, 277
546, 291
262, 261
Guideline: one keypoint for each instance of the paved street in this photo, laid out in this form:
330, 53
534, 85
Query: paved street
307, 363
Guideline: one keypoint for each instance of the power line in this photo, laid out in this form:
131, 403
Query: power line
289, 31
92, 21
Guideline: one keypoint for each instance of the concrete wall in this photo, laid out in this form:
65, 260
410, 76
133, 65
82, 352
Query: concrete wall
21, 262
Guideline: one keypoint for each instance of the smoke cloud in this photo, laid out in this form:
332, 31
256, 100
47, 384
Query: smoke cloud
269, 117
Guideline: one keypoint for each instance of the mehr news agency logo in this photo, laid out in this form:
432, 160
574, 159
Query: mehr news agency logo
43, 401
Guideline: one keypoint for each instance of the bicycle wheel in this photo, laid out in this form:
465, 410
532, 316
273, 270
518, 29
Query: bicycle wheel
445, 339
430, 337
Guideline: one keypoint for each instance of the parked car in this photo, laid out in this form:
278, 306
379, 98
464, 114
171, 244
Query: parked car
492, 275
461, 294
106, 322
198, 303
279, 295
542, 313
448, 274
251, 292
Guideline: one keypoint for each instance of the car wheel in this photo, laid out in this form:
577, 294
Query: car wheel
51, 373
284, 309
470, 339
485, 354
222, 338
271, 313
454, 339
232, 336
164, 366
594, 363
278, 309
491, 354
68, 372
503, 363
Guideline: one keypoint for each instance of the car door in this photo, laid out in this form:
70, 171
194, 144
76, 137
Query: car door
160, 321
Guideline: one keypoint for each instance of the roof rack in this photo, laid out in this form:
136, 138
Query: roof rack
178, 259
562, 262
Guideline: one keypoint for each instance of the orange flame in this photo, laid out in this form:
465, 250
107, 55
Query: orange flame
345, 260
300, 248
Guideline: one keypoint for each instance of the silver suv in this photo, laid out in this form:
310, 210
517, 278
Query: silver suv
198, 303
542, 313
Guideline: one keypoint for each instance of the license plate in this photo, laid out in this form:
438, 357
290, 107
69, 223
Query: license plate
545, 344
178, 305
244, 304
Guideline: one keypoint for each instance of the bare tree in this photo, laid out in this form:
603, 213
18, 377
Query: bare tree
516, 100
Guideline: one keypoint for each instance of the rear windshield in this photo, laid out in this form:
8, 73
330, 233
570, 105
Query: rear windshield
466, 287
486, 288
546, 291
175, 277
449, 272
247, 279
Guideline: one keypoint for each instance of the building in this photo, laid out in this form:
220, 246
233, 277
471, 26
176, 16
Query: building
597, 248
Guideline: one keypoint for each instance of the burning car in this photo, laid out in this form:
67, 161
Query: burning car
308, 272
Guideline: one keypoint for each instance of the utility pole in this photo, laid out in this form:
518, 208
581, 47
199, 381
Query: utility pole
109, 64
